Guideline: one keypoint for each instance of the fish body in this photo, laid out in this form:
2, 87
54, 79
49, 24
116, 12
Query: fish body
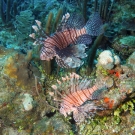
73, 92
69, 42
73, 100
64, 38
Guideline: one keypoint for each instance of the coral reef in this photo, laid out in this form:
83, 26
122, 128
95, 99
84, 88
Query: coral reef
8, 40
120, 125
12, 131
27, 103
124, 11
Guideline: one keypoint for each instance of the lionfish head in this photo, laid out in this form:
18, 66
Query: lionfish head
63, 111
47, 52
40, 37
66, 110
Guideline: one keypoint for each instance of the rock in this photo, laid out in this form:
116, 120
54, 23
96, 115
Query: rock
27, 102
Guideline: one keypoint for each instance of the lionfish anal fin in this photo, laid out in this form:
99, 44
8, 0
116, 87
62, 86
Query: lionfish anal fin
71, 56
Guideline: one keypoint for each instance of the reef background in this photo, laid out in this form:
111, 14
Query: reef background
26, 107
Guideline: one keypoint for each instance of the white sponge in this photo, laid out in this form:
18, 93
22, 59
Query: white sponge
107, 60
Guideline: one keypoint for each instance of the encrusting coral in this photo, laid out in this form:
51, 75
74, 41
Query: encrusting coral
124, 45
16, 64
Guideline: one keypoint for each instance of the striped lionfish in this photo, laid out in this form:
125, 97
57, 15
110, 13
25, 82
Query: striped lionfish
75, 96
69, 42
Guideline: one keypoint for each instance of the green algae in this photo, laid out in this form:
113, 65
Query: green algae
128, 106
101, 70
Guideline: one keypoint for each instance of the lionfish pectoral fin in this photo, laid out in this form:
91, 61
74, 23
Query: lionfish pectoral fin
61, 63
69, 62
71, 57
84, 39
94, 26
79, 51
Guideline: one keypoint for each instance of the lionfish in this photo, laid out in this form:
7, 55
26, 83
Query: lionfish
69, 42
75, 95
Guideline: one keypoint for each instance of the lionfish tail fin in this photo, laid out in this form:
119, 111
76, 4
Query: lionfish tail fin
94, 26
101, 89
